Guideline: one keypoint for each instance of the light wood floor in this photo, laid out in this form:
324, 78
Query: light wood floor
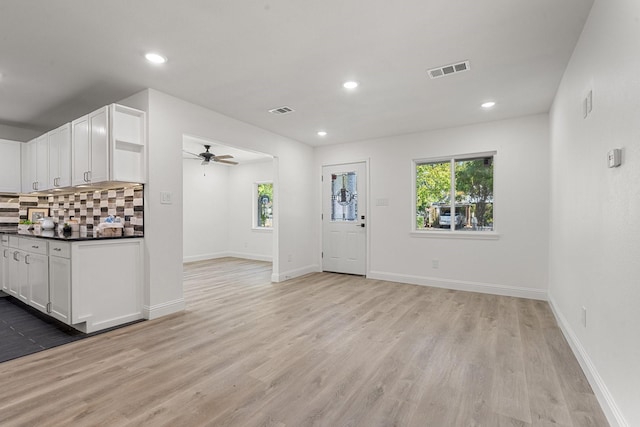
322, 350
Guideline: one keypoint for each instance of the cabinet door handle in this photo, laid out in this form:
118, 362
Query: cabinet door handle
57, 249
35, 246
15, 256
26, 258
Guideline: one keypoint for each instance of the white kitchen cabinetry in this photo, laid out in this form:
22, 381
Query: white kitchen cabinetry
106, 283
5, 257
35, 164
60, 157
34, 283
10, 160
89, 284
60, 281
109, 145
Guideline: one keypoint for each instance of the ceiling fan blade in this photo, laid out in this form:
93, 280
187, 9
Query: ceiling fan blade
229, 162
190, 153
224, 156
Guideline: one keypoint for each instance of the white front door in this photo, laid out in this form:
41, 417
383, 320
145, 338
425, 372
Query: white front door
344, 214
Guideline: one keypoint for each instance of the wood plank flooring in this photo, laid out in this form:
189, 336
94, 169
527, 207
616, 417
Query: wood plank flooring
322, 350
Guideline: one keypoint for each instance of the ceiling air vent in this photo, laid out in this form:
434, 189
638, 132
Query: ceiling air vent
281, 110
447, 70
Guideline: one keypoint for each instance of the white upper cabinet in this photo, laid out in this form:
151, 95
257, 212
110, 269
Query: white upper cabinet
10, 175
60, 157
35, 164
109, 145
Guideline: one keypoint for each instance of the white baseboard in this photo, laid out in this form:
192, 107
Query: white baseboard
291, 274
203, 257
216, 255
164, 309
255, 257
608, 404
460, 285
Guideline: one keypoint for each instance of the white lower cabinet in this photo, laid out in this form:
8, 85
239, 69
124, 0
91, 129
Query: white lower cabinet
60, 281
5, 256
34, 273
37, 281
90, 285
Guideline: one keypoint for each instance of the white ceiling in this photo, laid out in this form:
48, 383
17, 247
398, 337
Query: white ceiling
61, 59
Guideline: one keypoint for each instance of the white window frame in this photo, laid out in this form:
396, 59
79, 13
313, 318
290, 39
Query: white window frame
452, 233
255, 226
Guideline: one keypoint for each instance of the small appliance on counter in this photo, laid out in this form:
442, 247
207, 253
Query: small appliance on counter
111, 227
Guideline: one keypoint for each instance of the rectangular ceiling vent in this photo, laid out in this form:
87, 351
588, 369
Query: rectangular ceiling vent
281, 110
448, 70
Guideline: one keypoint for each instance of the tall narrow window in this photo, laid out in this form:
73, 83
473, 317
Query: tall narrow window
344, 197
455, 194
264, 211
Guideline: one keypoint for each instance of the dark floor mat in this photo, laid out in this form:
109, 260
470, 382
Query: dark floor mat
23, 330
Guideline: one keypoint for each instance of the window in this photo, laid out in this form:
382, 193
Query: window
264, 206
344, 197
454, 194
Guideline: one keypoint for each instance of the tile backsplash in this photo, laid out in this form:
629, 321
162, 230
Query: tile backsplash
89, 207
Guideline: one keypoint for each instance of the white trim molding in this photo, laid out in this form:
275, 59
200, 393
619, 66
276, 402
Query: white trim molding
204, 257
608, 404
242, 255
164, 309
461, 285
292, 274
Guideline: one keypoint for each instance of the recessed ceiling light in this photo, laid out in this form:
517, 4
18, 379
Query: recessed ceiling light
350, 85
488, 104
322, 133
155, 58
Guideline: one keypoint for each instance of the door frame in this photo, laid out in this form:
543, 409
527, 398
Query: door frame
367, 230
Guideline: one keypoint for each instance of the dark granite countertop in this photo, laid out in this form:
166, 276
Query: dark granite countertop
58, 235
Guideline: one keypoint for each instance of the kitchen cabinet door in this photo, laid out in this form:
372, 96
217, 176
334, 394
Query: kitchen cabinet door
99, 145
35, 164
10, 160
22, 285
42, 163
13, 278
80, 151
60, 157
37, 280
90, 148
4, 268
28, 164
60, 288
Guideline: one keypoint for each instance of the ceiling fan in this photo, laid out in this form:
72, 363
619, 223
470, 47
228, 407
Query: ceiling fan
207, 157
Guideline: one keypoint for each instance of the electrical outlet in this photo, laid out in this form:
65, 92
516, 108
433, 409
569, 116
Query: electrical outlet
584, 316
435, 263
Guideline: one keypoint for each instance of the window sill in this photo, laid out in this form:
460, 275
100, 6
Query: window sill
470, 235
262, 229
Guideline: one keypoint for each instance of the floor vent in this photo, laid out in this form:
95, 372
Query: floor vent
281, 110
448, 70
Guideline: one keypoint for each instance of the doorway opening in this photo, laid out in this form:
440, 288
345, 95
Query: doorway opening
228, 202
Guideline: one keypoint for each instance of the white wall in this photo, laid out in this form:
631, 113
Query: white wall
514, 264
595, 230
244, 240
205, 199
218, 207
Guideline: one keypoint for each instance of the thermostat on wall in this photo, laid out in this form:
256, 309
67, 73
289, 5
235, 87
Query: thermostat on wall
614, 157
